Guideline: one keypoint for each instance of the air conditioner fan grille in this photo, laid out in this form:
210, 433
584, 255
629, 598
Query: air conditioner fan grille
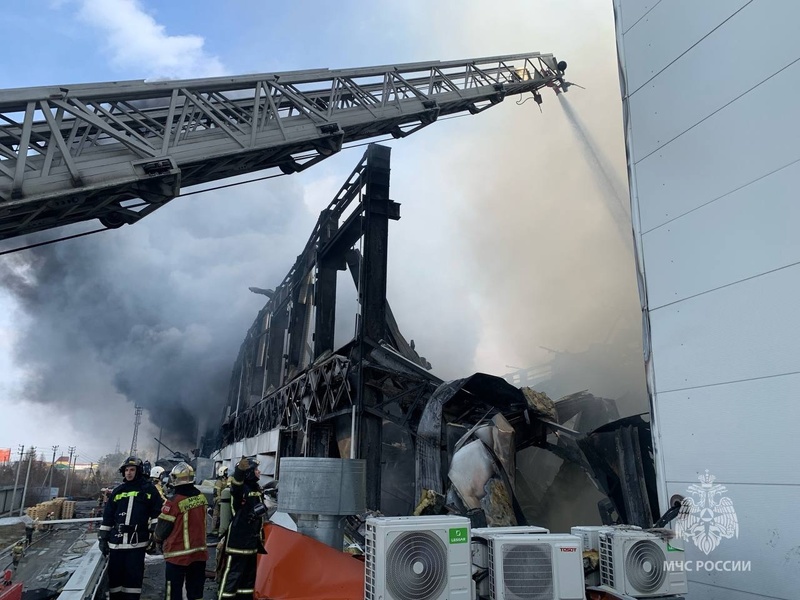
528, 571
644, 566
416, 566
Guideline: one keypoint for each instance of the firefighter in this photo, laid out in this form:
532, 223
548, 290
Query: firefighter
155, 475
181, 530
132, 508
17, 552
220, 484
225, 509
243, 540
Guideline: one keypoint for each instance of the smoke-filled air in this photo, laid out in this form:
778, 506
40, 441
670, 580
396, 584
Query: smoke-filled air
513, 251
150, 315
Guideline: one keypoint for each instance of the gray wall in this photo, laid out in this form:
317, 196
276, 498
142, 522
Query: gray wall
6, 495
711, 92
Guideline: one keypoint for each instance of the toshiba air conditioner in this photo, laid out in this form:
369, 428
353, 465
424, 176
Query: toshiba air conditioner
536, 567
590, 535
634, 562
418, 558
590, 540
487, 532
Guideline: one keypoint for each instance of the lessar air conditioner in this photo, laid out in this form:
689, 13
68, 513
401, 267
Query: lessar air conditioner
536, 567
634, 562
418, 558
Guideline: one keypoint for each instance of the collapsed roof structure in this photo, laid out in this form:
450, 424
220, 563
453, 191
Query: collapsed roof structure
429, 445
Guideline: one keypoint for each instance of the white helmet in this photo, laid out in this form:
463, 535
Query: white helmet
222, 471
156, 472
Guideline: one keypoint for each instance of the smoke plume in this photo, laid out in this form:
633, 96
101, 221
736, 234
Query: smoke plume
151, 314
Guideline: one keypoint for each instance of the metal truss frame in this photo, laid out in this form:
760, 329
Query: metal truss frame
118, 151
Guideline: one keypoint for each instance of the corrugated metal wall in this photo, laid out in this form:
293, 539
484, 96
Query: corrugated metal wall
711, 94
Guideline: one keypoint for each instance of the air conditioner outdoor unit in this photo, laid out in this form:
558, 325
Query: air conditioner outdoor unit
536, 567
487, 532
418, 558
480, 552
590, 540
633, 562
590, 535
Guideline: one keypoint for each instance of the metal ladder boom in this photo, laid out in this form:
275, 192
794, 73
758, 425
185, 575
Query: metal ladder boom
118, 151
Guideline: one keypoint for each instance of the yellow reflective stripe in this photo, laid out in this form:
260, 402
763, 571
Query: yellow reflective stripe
133, 494
247, 591
122, 495
236, 482
254, 494
166, 517
169, 590
237, 551
186, 531
223, 594
191, 502
184, 552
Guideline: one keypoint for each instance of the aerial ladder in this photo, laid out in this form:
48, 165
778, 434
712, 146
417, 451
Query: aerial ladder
118, 151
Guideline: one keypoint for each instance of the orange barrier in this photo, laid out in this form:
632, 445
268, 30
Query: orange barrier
297, 567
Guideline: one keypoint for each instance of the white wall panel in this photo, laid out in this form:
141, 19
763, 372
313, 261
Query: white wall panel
713, 73
665, 33
769, 537
731, 427
631, 12
739, 332
711, 162
745, 140
748, 232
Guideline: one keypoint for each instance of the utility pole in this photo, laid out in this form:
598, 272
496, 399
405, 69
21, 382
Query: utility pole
69, 470
27, 478
16, 479
158, 447
136, 422
52, 468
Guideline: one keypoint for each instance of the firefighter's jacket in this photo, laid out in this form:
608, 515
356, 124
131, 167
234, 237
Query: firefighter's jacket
130, 510
220, 484
182, 526
160, 488
244, 534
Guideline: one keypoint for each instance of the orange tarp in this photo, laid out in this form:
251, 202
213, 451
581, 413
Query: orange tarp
297, 567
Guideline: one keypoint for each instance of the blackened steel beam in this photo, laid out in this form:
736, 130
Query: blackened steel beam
276, 359
632, 480
372, 299
325, 288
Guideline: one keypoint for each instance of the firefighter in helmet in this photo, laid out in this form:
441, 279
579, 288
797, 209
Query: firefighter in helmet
156, 473
132, 508
220, 484
243, 541
181, 530
17, 552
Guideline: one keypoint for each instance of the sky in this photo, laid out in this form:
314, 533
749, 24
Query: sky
509, 245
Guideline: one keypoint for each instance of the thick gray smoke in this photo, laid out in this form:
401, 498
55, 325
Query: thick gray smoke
151, 314
554, 276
